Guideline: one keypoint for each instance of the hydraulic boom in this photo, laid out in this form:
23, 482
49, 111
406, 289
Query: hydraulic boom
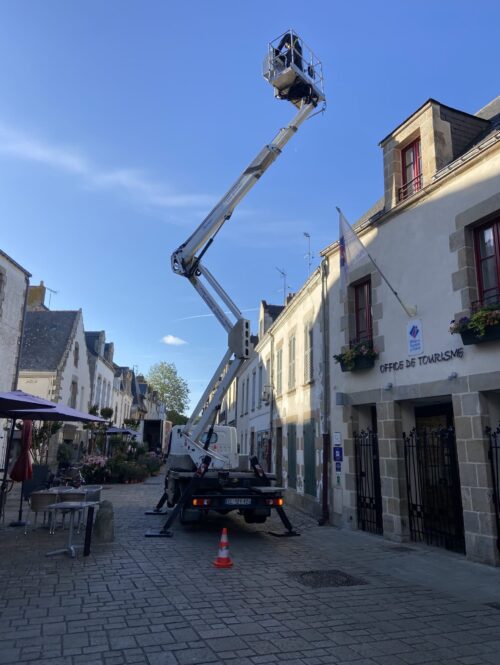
296, 75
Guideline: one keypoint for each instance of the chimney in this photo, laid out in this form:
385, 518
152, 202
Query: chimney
36, 298
109, 351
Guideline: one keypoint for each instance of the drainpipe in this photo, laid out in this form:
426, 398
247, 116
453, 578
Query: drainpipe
325, 420
271, 382
18, 360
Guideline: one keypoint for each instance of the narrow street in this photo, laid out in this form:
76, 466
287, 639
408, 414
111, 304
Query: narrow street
161, 602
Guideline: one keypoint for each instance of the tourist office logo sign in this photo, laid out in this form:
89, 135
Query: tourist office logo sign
414, 338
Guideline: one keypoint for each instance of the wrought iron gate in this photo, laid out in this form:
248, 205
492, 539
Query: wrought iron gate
433, 482
494, 455
368, 490
309, 458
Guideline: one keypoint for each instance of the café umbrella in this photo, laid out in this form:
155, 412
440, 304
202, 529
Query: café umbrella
17, 399
10, 403
48, 411
22, 469
58, 412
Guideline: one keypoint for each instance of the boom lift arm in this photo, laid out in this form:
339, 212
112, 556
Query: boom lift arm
296, 75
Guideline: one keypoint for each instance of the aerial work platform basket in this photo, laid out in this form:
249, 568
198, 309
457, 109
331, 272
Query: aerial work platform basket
293, 70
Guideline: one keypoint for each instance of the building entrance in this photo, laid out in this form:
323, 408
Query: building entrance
433, 480
368, 487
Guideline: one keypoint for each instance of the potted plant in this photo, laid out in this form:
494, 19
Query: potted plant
482, 326
360, 355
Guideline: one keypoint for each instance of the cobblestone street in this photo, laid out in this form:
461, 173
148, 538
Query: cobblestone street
161, 602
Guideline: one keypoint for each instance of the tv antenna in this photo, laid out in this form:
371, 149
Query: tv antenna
308, 256
51, 291
285, 285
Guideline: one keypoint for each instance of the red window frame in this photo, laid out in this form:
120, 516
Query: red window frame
413, 184
363, 315
490, 295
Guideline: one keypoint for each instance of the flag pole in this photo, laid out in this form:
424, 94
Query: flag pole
409, 313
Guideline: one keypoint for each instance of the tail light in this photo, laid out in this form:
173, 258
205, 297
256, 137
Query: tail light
201, 503
275, 502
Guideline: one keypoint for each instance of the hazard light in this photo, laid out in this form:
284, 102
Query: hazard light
275, 502
201, 503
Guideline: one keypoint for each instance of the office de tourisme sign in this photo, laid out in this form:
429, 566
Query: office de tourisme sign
440, 357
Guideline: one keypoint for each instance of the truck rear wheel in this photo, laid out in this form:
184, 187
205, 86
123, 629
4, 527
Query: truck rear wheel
253, 517
189, 516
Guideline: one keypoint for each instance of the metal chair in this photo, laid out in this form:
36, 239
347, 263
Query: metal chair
92, 492
39, 501
70, 494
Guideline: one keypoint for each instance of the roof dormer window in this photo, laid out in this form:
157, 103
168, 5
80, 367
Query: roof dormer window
411, 170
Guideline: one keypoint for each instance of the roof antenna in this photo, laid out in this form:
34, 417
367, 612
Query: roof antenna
51, 291
285, 285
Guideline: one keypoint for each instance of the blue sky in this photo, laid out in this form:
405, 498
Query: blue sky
123, 122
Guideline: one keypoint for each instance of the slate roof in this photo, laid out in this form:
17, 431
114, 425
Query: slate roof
491, 111
274, 310
91, 339
45, 339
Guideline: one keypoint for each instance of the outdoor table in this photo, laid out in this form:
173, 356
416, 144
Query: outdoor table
72, 507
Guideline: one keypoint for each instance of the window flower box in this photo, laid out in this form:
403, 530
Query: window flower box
482, 326
360, 363
471, 337
359, 356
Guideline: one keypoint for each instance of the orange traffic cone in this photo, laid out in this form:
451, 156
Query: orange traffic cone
223, 560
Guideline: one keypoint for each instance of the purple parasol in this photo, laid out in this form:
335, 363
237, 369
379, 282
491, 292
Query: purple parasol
17, 399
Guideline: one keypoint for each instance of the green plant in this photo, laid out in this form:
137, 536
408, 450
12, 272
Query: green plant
478, 322
64, 454
358, 350
151, 462
106, 413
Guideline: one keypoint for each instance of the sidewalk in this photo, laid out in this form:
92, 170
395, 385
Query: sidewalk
161, 602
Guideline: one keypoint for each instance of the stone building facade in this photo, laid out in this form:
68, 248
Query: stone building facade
102, 369
54, 364
281, 413
14, 283
423, 407
414, 454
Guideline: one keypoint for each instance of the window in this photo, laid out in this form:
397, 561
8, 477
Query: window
363, 311
2, 287
488, 263
242, 397
76, 353
261, 386
213, 439
308, 353
73, 394
279, 371
247, 396
254, 378
291, 363
411, 170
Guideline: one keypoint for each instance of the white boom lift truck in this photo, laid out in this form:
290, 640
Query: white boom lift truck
204, 470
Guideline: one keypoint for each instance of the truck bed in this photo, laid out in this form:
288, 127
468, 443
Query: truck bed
214, 473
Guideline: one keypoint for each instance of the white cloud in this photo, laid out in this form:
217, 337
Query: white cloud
69, 160
171, 340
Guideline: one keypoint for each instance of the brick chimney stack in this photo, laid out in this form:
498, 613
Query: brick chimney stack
36, 298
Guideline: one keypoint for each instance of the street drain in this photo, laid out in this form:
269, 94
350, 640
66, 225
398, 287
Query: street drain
325, 578
495, 606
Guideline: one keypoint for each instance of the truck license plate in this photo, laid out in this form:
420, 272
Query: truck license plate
234, 501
